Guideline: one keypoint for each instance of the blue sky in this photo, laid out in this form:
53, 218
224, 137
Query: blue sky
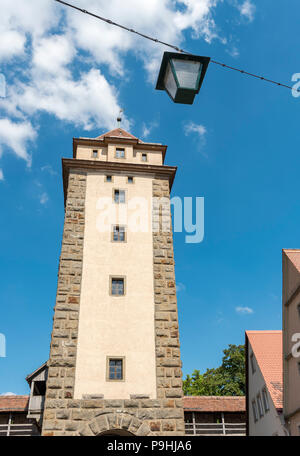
238, 146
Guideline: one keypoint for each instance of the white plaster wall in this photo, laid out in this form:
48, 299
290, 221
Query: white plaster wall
116, 326
86, 153
270, 423
132, 155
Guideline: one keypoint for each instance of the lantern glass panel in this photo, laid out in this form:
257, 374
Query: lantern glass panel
170, 82
187, 72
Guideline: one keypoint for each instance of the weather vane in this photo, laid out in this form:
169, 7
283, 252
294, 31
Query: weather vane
119, 118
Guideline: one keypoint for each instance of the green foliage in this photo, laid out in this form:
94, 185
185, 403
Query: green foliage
226, 380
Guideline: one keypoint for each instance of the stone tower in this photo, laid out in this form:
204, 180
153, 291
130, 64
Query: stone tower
114, 365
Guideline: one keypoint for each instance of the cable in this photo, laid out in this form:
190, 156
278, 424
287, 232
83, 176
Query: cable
108, 21
176, 48
254, 75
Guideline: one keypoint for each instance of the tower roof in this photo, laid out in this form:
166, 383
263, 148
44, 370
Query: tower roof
117, 133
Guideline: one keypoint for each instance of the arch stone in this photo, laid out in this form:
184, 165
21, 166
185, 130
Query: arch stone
114, 421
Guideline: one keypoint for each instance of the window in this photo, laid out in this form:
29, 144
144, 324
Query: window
144, 157
115, 369
117, 286
259, 404
118, 233
130, 180
108, 178
265, 400
120, 153
95, 154
39, 388
119, 196
252, 360
254, 408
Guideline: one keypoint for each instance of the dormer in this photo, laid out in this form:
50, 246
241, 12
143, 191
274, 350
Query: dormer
119, 146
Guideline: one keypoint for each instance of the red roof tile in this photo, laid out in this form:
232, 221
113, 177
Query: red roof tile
214, 403
117, 132
267, 349
14, 403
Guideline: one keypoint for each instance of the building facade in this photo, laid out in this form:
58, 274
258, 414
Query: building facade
203, 415
114, 364
291, 338
14, 420
264, 384
215, 415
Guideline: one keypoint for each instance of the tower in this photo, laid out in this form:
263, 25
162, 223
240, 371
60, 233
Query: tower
114, 363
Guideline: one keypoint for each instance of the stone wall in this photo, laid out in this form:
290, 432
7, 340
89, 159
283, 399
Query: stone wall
90, 416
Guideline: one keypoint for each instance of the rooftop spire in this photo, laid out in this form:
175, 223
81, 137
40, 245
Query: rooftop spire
119, 118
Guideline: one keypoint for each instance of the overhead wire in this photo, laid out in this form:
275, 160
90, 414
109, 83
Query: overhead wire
172, 46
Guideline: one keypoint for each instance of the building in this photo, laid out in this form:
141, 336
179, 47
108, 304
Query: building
114, 364
291, 338
14, 419
264, 383
215, 415
203, 415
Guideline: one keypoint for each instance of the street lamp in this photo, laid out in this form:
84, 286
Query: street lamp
181, 76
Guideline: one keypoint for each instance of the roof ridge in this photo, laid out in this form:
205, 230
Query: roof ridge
118, 132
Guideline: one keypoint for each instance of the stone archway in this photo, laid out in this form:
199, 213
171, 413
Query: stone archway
116, 432
115, 422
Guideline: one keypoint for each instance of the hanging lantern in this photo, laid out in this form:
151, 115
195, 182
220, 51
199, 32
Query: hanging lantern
181, 76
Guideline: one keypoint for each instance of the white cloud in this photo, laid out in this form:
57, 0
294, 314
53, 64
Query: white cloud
48, 80
51, 54
191, 127
180, 287
7, 394
12, 43
89, 101
247, 9
196, 15
49, 170
44, 198
147, 129
1, 175
233, 51
16, 136
244, 310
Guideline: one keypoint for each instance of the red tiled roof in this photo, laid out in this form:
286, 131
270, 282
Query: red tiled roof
267, 349
14, 403
214, 403
117, 132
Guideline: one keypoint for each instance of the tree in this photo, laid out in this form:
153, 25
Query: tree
226, 380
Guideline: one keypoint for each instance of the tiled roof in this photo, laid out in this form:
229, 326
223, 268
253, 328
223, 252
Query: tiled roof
190, 403
120, 133
117, 132
267, 349
14, 403
214, 403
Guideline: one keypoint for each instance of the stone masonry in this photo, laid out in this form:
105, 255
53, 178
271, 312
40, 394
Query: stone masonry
91, 416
